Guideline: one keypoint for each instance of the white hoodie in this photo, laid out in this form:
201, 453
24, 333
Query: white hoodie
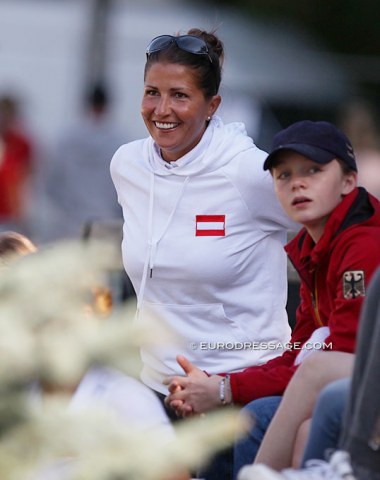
203, 246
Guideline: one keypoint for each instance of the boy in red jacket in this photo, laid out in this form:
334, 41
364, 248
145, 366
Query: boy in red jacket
315, 177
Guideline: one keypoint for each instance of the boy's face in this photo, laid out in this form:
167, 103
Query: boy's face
309, 191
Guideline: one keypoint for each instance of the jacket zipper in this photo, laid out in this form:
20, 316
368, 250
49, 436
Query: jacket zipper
314, 298
313, 291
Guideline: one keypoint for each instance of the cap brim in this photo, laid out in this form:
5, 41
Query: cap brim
314, 153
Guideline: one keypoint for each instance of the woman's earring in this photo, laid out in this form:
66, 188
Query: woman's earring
208, 119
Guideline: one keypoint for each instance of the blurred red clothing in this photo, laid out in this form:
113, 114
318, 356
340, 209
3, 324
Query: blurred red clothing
15, 167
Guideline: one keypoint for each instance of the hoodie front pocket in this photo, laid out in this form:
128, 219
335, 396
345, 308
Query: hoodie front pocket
199, 330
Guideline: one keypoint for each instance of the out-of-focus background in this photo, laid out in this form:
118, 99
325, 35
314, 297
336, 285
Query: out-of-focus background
71, 79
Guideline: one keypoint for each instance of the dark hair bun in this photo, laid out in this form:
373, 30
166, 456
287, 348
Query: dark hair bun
214, 43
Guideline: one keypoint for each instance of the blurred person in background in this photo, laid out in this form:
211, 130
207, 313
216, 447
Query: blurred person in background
79, 185
16, 162
360, 122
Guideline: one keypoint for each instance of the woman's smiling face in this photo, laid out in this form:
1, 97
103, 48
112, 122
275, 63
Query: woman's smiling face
174, 108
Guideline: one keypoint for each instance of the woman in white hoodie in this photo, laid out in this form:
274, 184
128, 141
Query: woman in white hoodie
203, 231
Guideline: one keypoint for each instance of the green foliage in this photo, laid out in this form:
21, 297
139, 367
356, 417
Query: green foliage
346, 26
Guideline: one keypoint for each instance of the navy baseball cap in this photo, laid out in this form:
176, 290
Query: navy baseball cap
322, 142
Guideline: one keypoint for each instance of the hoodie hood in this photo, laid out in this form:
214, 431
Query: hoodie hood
219, 144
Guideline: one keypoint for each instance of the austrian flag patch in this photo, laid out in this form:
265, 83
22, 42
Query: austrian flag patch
353, 284
210, 225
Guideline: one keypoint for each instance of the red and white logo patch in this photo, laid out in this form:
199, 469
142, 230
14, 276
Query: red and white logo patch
210, 225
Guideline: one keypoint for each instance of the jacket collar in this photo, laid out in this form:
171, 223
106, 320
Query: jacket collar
356, 207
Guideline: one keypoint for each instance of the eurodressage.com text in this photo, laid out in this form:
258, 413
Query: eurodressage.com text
260, 346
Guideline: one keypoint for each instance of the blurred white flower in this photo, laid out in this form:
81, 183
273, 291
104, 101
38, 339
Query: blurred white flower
98, 447
46, 331
51, 332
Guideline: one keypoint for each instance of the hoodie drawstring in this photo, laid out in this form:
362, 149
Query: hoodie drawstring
153, 242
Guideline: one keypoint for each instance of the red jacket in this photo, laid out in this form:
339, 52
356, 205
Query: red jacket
15, 166
334, 275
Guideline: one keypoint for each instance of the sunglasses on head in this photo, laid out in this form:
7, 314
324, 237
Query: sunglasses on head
188, 43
